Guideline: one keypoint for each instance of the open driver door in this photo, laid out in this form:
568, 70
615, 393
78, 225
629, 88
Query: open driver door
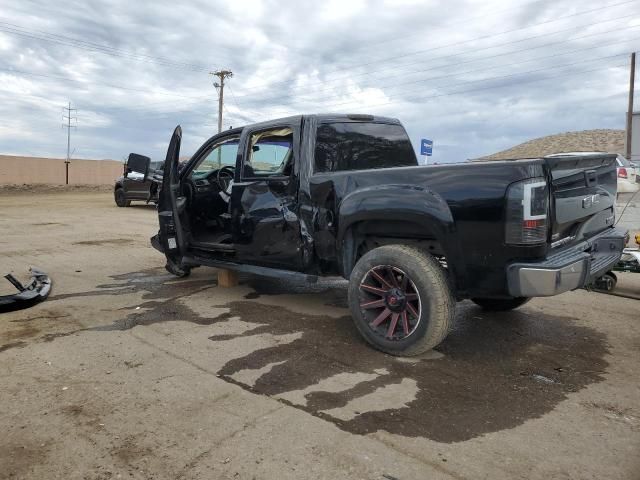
171, 206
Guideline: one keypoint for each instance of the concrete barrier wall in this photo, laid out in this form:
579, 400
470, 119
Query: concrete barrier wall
31, 170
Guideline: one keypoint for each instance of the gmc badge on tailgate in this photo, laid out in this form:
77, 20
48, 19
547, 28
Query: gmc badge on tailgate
587, 202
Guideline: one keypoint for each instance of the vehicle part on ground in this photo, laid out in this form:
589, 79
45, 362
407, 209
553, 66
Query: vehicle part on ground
400, 300
607, 282
28, 295
500, 304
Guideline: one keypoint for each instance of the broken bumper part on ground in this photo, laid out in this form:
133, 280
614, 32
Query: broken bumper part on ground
28, 295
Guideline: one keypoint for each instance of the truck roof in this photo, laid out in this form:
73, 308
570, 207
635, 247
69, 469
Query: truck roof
330, 117
353, 117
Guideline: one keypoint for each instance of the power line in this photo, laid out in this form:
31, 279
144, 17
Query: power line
201, 97
420, 80
84, 45
286, 111
473, 60
85, 82
490, 87
431, 78
387, 66
69, 41
416, 99
19, 30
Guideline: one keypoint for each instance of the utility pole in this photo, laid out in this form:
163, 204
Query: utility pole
632, 79
221, 74
68, 117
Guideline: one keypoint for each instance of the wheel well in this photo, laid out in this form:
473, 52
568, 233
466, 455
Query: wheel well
365, 236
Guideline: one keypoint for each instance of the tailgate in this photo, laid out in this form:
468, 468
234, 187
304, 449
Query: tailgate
583, 196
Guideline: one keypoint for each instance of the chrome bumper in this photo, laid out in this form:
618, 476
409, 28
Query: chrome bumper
575, 267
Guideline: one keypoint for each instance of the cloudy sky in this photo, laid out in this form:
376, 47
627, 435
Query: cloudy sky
476, 76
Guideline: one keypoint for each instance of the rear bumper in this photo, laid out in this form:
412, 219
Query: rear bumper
574, 267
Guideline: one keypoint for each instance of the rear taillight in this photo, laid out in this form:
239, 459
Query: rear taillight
622, 172
527, 212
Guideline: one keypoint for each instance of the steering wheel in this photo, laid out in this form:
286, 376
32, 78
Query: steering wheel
224, 176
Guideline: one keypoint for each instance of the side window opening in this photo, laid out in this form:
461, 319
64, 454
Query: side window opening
222, 154
270, 153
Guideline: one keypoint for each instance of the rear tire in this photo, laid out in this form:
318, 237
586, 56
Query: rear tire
607, 282
500, 304
407, 300
121, 198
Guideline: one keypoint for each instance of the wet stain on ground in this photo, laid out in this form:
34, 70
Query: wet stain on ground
493, 372
129, 450
40, 317
8, 346
73, 410
17, 460
487, 380
108, 241
25, 331
160, 292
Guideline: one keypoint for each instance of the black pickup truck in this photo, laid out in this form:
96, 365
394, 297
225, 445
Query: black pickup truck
130, 186
327, 195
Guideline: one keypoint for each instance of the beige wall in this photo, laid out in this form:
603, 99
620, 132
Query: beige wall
19, 170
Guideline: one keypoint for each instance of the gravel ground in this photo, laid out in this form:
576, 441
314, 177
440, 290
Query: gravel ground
127, 372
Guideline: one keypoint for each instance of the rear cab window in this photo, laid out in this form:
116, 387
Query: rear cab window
344, 146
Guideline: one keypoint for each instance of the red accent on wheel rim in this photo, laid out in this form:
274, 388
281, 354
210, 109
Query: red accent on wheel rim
389, 302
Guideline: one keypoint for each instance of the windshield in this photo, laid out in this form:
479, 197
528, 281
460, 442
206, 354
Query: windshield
221, 155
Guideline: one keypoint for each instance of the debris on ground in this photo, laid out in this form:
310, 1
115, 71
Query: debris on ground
28, 295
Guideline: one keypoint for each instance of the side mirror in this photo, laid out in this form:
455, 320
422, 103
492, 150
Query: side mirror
255, 148
138, 163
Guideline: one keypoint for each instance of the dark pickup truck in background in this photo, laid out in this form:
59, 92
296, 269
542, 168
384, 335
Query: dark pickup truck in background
344, 195
133, 186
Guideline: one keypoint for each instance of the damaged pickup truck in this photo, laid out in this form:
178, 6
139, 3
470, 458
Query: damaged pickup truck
326, 195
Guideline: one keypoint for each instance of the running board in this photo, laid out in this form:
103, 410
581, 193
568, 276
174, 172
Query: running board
194, 261
213, 247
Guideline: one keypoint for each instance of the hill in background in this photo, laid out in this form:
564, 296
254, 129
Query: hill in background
602, 140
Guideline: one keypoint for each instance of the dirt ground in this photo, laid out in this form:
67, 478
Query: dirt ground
127, 372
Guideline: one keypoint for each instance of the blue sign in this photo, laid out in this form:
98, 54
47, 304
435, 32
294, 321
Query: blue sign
426, 147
